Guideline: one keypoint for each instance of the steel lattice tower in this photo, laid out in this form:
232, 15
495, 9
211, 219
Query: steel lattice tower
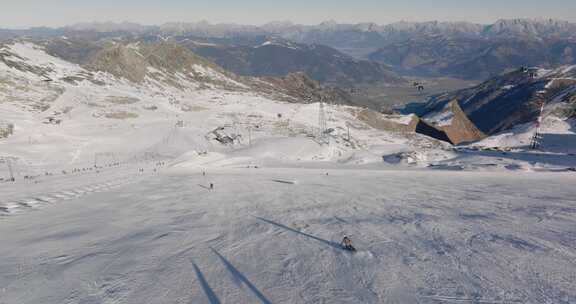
537, 137
322, 121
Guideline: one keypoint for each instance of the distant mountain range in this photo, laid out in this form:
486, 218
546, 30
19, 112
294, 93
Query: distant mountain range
331, 32
474, 58
458, 49
277, 57
322, 33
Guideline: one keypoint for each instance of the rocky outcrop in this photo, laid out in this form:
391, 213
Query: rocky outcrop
15, 61
120, 61
387, 122
461, 129
392, 123
166, 62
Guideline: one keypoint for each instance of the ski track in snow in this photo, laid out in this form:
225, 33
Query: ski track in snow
19, 205
39, 195
422, 237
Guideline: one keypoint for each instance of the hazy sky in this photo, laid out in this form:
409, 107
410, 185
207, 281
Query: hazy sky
23, 13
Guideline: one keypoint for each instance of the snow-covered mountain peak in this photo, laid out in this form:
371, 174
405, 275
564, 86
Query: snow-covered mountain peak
163, 63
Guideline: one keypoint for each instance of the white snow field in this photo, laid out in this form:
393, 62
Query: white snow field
110, 205
422, 237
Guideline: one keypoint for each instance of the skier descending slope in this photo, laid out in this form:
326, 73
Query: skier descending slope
347, 244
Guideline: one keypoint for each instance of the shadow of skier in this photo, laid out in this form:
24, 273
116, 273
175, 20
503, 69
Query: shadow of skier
205, 187
205, 286
241, 278
326, 242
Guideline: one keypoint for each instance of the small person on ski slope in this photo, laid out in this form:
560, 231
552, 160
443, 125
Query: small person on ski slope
211, 186
347, 244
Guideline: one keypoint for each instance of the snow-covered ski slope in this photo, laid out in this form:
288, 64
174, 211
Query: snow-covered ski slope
64, 122
110, 204
422, 237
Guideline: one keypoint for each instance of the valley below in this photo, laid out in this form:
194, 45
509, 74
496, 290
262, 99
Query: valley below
385, 96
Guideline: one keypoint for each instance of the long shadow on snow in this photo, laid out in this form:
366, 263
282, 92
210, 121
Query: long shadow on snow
205, 286
205, 187
329, 243
559, 143
240, 277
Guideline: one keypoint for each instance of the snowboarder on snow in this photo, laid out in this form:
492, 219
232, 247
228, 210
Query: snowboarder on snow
347, 244
211, 186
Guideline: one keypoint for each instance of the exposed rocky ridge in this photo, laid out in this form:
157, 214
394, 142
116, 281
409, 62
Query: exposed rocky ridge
390, 123
386, 122
138, 61
461, 129
15, 61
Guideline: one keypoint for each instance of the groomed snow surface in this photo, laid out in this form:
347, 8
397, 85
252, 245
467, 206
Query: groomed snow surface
422, 237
